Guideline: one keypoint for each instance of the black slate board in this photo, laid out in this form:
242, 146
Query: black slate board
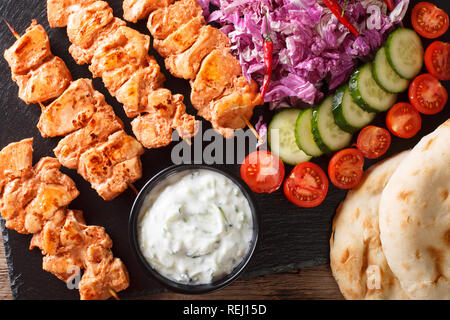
291, 237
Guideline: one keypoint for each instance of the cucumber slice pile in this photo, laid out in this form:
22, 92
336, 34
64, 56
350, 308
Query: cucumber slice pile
404, 52
296, 136
328, 136
385, 75
304, 136
367, 93
349, 116
281, 137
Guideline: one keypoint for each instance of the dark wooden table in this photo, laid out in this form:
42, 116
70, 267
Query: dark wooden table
311, 283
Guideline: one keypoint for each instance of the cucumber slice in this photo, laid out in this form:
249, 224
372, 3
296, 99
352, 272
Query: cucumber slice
385, 76
328, 136
404, 52
281, 137
304, 136
347, 114
367, 93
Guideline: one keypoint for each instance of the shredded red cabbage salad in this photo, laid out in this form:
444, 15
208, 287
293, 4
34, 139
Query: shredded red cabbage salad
313, 51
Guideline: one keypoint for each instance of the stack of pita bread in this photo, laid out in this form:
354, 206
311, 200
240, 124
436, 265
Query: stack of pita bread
391, 235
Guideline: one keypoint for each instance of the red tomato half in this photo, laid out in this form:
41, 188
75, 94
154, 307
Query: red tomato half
427, 94
262, 171
437, 60
307, 185
373, 142
403, 120
346, 168
428, 20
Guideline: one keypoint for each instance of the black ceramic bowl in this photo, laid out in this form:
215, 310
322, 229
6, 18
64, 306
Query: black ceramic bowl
168, 283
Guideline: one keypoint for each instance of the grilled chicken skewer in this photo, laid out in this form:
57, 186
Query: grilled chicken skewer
34, 200
119, 55
201, 54
81, 114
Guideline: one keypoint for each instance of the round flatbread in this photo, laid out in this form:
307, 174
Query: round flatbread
415, 218
356, 257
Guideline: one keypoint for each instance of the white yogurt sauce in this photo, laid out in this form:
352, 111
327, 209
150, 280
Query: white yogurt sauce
196, 227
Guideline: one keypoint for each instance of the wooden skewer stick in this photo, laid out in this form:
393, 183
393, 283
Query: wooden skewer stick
252, 129
113, 293
12, 29
132, 187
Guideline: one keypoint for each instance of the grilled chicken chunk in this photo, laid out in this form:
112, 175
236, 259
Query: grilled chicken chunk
46, 82
55, 190
230, 110
187, 64
102, 124
152, 130
180, 40
163, 22
185, 124
135, 10
71, 111
84, 55
27, 201
98, 165
85, 24
29, 51
39, 75
119, 57
68, 239
58, 11
164, 112
216, 76
16, 160
138, 92
103, 274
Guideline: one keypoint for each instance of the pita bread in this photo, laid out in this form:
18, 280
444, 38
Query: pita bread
356, 257
415, 218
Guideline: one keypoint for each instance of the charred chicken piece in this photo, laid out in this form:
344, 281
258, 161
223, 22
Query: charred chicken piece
137, 93
102, 124
30, 196
135, 10
152, 130
39, 75
231, 110
71, 111
95, 17
163, 22
187, 64
84, 55
16, 161
216, 76
29, 51
119, 57
103, 274
59, 11
180, 40
105, 166
46, 82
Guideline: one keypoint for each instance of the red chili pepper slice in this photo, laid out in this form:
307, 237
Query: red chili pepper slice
336, 9
268, 58
390, 4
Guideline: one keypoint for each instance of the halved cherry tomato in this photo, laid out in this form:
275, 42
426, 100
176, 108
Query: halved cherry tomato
403, 120
262, 171
427, 94
437, 60
306, 186
373, 142
428, 20
346, 168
